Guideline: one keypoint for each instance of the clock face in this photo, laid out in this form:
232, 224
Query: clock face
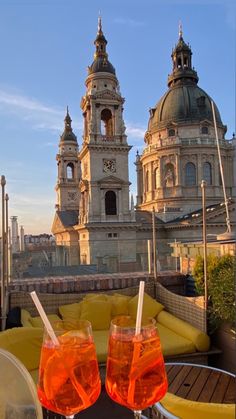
109, 166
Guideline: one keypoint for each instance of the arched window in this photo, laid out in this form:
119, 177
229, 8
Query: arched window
207, 173
70, 171
147, 181
171, 132
190, 174
106, 122
204, 130
156, 178
110, 203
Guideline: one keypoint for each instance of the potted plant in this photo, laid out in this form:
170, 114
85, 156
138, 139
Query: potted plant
221, 303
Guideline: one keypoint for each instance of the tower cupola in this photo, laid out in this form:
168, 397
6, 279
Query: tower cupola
182, 63
101, 63
68, 135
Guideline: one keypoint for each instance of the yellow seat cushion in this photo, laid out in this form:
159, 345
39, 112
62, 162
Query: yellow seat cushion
96, 297
172, 343
186, 409
37, 321
119, 304
25, 317
25, 343
101, 343
97, 312
150, 306
70, 311
199, 338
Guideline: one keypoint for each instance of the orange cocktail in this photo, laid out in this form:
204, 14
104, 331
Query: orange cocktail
68, 375
136, 376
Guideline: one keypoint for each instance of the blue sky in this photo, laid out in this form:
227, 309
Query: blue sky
46, 46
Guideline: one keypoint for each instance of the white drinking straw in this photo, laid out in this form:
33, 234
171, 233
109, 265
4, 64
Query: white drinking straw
139, 308
44, 318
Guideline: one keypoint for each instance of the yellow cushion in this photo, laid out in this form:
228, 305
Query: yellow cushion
101, 343
70, 311
119, 304
37, 321
199, 338
186, 409
25, 318
97, 312
172, 343
25, 343
150, 306
96, 297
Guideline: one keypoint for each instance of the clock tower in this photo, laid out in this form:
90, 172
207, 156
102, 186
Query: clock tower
104, 185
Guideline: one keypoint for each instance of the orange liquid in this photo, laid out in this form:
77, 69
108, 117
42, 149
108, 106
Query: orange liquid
68, 376
136, 376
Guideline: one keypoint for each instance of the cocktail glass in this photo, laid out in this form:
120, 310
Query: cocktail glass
69, 378
135, 375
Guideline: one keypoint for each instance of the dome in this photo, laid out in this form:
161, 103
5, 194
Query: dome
101, 64
183, 103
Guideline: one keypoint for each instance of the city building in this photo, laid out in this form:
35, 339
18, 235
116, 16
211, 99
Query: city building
95, 217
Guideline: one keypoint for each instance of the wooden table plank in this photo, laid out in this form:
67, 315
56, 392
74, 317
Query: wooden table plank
181, 372
188, 382
171, 373
230, 395
198, 383
220, 391
199, 386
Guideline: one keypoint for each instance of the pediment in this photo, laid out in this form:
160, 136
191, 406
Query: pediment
112, 181
107, 94
57, 226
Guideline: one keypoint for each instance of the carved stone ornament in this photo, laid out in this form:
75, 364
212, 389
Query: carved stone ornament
71, 196
109, 165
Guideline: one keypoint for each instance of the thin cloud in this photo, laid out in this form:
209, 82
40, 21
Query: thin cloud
34, 112
134, 131
23, 102
128, 22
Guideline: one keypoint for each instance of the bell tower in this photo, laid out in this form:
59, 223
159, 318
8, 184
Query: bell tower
106, 223
68, 178
104, 154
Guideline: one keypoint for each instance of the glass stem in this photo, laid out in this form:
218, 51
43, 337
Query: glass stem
70, 417
137, 414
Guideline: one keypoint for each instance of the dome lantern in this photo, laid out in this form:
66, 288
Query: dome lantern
101, 62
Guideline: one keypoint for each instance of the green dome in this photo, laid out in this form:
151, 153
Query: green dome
183, 103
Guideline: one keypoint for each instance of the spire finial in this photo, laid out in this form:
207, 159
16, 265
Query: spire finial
99, 22
67, 110
180, 30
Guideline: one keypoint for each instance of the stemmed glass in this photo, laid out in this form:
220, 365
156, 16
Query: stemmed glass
135, 376
69, 378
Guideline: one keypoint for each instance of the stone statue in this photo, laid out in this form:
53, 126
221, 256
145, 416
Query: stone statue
169, 178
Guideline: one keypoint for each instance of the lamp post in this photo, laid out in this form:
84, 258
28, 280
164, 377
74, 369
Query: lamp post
3, 261
204, 239
6, 243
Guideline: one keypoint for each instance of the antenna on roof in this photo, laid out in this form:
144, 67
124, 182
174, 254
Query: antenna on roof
228, 234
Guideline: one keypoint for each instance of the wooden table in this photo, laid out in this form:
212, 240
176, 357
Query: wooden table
201, 383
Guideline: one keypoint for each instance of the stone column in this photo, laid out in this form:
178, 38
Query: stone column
119, 198
103, 214
178, 175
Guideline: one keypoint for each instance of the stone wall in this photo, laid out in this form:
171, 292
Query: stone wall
174, 281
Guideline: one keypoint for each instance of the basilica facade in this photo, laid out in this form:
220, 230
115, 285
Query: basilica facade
95, 216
